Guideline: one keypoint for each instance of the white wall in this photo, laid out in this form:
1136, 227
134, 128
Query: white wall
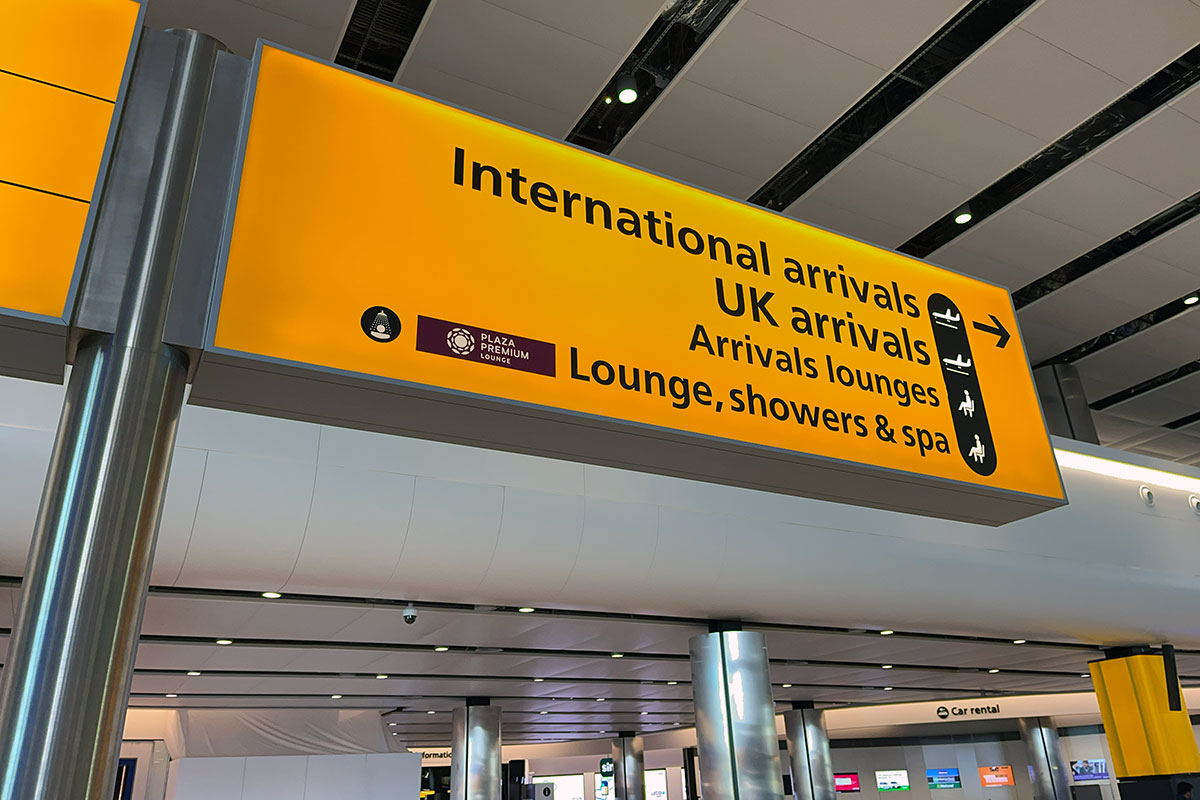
380, 776
967, 757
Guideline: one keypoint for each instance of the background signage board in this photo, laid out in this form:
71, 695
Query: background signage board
948, 778
891, 780
477, 283
61, 68
1001, 775
1090, 769
846, 782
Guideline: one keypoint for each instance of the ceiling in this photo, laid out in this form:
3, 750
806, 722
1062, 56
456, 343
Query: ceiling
766, 85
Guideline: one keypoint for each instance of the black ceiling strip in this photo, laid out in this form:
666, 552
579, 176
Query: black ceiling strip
1124, 331
1157, 90
1176, 424
379, 35
971, 28
656, 59
1114, 248
1147, 385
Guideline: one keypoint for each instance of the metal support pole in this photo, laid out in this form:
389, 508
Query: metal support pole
808, 751
66, 682
735, 717
1045, 758
629, 767
475, 753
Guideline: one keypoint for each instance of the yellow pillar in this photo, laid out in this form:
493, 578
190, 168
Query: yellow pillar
1145, 737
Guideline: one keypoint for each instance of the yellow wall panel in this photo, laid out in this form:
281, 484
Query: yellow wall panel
1144, 735
80, 44
39, 237
51, 139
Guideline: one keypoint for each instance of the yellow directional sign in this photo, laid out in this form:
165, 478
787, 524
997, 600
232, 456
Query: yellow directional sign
379, 233
61, 63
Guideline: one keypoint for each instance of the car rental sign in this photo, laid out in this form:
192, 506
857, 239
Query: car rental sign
500, 289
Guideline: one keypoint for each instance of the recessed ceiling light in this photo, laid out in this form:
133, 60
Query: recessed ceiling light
193, 673
993, 671
172, 694
538, 680
644, 713
440, 649
608, 101
787, 686
887, 688
599, 699
887, 666
1018, 641
963, 218
627, 89
672, 683
526, 609
224, 641
430, 712
886, 633
1085, 674
395, 734
617, 655
393, 724
381, 677
1191, 300
543, 712
272, 595
335, 697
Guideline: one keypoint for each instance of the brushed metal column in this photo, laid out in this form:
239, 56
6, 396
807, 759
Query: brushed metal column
629, 767
808, 751
66, 682
475, 753
1045, 758
735, 717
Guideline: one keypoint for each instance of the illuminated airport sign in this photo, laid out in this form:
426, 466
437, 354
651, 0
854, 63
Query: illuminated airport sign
556, 302
61, 65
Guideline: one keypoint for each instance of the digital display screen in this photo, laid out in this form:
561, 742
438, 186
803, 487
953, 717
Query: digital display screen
1001, 775
846, 782
943, 778
1090, 769
892, 780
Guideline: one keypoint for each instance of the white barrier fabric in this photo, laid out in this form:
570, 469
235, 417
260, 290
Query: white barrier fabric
280, 732
377, 776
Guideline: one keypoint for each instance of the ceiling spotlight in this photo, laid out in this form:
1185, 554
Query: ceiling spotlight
393, 724
600, 699
886, 633
672, 683
538, 680
1085, 674
430, 712
626, 87
887, 688
993, 671
543, 712
607, 101
887, 666
395, 734
1018, 641
1191, 299
172, 694
644, 713
381, 677
224, 641
193, 673
440, 649
963, 215
787, 686
618, 655
272, 595
335, 697
526, 610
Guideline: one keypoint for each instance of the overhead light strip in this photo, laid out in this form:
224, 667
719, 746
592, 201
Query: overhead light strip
658, 57
1069, 459
1124, 331
1156, 91
970, 29
379, 35
1143, 233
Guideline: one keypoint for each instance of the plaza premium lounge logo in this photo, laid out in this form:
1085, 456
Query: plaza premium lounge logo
487, 346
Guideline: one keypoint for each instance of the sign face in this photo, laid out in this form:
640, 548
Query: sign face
606, 767
1090, 769
846, 782
392, 237
891, 780
61, 63
996, 776
943, 778
963, 712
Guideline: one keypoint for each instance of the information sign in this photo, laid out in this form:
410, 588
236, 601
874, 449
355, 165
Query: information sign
1001, 775
384, 236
